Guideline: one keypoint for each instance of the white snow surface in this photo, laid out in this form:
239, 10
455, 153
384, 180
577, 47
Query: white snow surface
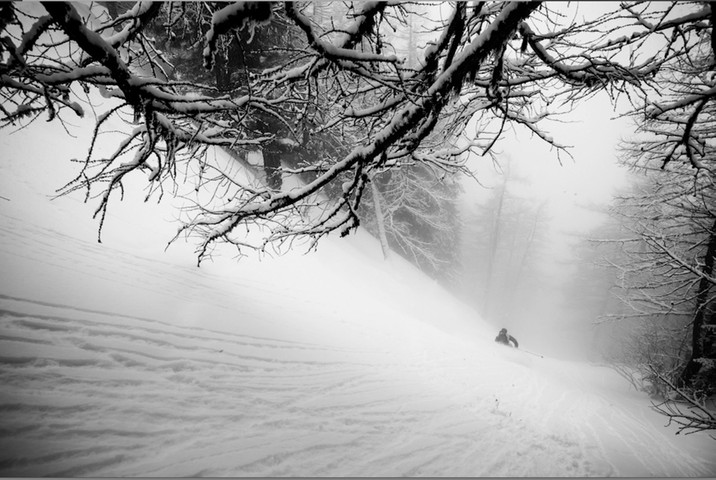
121, 359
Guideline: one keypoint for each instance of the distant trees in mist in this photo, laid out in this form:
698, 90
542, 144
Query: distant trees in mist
504, 246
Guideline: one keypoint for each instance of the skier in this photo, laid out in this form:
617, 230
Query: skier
506, 338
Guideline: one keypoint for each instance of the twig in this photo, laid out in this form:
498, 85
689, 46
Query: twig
698, 420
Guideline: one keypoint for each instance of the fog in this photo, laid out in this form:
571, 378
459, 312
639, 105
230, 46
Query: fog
563, 201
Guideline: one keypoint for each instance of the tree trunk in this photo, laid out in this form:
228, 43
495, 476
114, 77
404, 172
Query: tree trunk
494, 243
380, 219
221, 73
272, 167
515, 285
702, 327
412, 51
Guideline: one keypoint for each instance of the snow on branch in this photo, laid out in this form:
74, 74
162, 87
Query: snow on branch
327, 49
402, 123
94, 45
235, 15
694, 417
330, 96
137, 18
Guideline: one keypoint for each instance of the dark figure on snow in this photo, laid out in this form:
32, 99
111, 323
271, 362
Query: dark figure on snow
506, 338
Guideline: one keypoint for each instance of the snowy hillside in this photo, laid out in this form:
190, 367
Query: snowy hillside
121, 359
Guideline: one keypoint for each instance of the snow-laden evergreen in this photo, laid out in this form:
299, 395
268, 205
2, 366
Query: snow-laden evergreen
121, 359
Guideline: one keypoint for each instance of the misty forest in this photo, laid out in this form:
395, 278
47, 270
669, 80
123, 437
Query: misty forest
446, 137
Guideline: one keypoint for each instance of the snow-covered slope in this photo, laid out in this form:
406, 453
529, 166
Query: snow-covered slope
120, 359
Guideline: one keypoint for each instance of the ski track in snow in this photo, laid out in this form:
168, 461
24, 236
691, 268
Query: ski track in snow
73, 384
108, 394
86, 394
80, 398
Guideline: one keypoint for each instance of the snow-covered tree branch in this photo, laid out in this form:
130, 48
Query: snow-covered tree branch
328, 95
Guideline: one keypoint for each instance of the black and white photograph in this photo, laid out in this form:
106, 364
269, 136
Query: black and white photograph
357, 239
